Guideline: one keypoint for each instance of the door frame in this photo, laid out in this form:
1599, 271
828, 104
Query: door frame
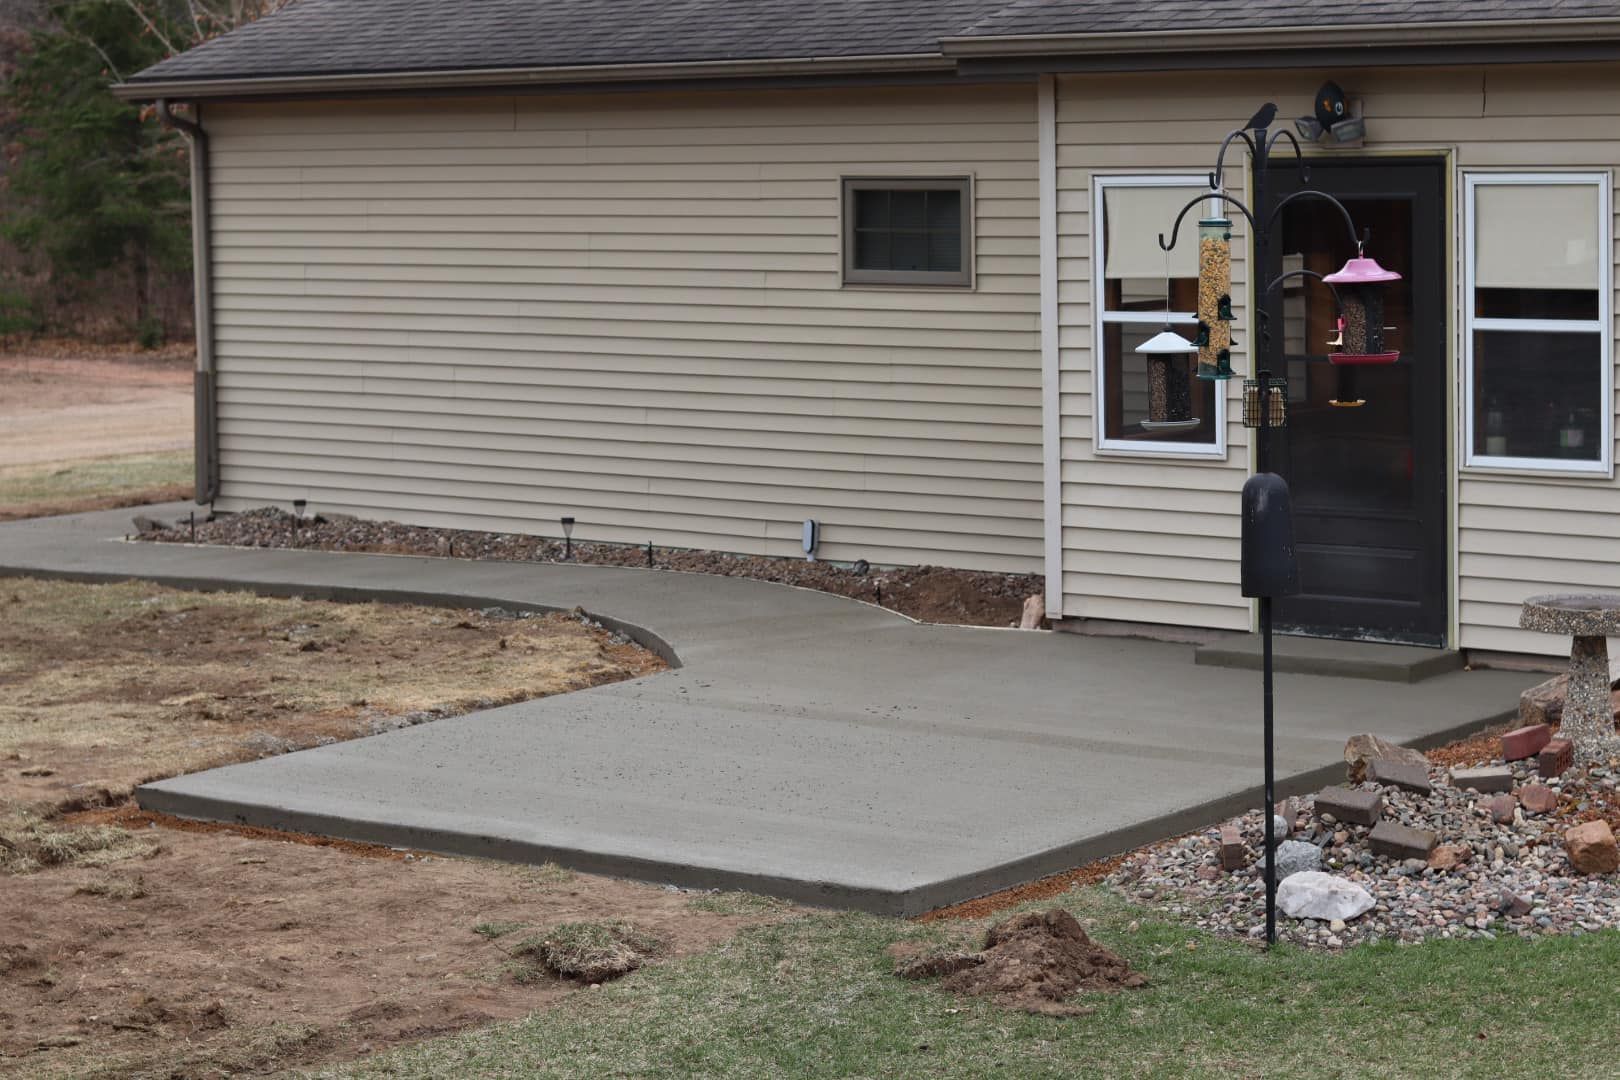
1451, 204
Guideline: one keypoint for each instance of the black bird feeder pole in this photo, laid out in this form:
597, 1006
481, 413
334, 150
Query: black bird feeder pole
1262, 461
1280, 576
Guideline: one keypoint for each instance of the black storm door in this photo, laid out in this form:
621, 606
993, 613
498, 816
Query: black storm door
1364, 451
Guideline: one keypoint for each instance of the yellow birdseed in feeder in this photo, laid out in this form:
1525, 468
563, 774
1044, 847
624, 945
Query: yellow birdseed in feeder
1214, 296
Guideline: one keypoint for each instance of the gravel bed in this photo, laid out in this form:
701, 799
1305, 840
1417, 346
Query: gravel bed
1516, 879
929, 593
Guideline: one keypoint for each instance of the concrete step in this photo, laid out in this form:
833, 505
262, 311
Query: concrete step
1325, 656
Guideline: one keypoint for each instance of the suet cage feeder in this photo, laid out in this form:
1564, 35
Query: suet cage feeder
1278, 415
1169, 395
1215, 299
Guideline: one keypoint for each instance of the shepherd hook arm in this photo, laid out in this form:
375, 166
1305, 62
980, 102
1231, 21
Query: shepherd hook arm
1312, 193
1278, 281
1219, 174
1299, 155
1175, 230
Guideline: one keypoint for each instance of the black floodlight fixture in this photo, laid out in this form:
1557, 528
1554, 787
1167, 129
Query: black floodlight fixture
1331, 106
1331, 118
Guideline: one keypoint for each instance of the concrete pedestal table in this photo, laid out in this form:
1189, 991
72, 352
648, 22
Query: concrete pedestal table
1588, 709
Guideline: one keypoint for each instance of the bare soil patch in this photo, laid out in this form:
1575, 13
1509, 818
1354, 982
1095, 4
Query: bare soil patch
138, 945
1042, 889
61, 405
1036, 961
219, 953
108, 686
928, 593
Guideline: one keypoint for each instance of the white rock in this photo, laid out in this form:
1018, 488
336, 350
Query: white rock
1312, 894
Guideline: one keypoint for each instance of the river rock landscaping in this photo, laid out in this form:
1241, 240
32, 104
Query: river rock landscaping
1493, 848
927, 593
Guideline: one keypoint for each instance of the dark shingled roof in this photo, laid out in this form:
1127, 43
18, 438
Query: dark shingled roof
1128, 16
350, 37
333, 37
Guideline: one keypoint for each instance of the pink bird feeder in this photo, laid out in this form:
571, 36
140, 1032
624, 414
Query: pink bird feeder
1360, 287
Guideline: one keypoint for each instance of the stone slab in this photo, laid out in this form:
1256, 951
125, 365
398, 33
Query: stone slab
1398, 841
1351, 804
1487, 780
1399, 774
1330, 657
805, 745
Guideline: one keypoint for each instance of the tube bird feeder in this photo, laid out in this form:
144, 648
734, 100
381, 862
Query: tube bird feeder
1215, 299
1169, 395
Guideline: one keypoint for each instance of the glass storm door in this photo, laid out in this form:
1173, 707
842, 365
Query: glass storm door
1364, 451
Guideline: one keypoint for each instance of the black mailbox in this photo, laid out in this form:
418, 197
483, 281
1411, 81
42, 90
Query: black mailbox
1269, 565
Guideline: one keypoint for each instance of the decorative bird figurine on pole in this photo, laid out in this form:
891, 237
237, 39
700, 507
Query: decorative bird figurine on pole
1262, 119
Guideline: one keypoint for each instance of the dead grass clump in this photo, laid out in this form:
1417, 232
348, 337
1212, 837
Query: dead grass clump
36, 846
113, 888
547, 873
591, 952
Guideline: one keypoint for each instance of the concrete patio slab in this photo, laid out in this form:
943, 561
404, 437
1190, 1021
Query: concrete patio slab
807, 746
1325, 656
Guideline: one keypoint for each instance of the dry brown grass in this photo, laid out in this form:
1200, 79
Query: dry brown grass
108, 686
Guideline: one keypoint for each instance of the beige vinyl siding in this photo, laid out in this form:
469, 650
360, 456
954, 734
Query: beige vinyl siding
1157, 540
494, 312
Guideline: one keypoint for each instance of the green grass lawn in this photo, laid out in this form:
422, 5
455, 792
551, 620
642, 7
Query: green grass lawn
815, 997
29, 490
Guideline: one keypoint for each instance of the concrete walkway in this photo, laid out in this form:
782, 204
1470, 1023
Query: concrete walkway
807, 746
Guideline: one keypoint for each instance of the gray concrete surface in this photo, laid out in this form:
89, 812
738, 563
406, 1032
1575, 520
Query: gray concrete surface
1323, 656
806, 746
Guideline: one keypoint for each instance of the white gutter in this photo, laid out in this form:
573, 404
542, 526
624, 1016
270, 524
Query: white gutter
194, 89
1322, 37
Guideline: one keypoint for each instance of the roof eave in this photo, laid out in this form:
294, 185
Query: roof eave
1280, 38
511, 78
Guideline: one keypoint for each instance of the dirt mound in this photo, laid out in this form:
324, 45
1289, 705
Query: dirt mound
1035, 961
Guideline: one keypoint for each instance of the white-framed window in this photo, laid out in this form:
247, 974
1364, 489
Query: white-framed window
1129, 280
1538, 329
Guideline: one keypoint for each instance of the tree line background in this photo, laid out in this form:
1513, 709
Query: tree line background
95, 218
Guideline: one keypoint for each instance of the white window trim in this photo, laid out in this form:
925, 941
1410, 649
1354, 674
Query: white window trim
1602, 326
1101, 444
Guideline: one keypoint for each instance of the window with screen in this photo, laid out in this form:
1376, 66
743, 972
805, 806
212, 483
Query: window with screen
1136, 282
908, 231
1538, 333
